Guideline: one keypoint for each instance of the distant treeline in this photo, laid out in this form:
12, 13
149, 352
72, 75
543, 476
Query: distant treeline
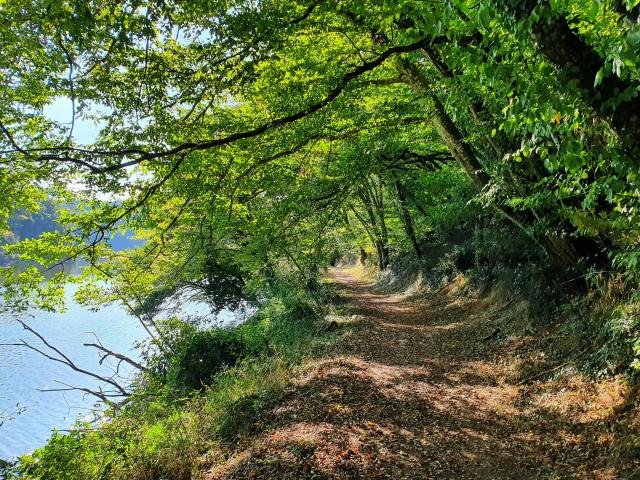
24, 225
31, 224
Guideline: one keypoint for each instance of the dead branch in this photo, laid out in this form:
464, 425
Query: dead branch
64, 359
551, 370
110, 353
119, 356
102, 395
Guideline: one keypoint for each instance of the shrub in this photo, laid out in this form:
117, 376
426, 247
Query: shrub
199, 355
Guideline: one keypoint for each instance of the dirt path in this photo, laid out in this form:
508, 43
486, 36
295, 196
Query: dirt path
416, 394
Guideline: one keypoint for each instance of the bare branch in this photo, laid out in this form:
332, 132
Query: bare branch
103, 396
119, 356
62, 358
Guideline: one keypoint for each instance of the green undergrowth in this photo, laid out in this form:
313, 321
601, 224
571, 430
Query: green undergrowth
590, 321
195, 403
601, 328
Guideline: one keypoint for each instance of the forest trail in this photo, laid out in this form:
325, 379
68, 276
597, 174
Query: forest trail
417, 394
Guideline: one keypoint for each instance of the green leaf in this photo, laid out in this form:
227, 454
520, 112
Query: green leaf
599, 77
485, 15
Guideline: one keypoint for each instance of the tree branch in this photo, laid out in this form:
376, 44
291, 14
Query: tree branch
64, 359
189, 147
119, 356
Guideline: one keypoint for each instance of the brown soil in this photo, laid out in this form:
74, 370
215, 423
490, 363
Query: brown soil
418, 392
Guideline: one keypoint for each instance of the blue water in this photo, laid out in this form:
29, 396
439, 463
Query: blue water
33, 414
24, 372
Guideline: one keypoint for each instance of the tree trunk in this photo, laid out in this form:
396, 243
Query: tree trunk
384, 234
377, 232
363, 256
475, 108
561, 251
447, 130
406, 218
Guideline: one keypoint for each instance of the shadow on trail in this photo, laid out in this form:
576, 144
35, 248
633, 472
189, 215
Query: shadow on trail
412, 398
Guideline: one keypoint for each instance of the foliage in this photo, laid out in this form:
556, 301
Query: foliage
234, 206
248, 145
197, 356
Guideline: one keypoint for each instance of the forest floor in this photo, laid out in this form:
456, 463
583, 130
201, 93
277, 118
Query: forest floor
418, 391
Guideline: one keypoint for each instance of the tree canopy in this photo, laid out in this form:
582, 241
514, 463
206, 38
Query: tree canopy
245, 141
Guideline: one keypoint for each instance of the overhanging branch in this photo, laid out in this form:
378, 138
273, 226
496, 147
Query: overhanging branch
74, 155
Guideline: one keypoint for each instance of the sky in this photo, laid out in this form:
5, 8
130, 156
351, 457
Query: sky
84, 132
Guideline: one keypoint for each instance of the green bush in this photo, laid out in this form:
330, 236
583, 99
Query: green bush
199, 355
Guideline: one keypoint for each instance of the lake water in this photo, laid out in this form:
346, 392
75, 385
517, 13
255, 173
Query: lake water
24, 372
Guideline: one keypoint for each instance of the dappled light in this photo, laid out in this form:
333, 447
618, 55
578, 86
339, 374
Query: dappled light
349, 239
427, 407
